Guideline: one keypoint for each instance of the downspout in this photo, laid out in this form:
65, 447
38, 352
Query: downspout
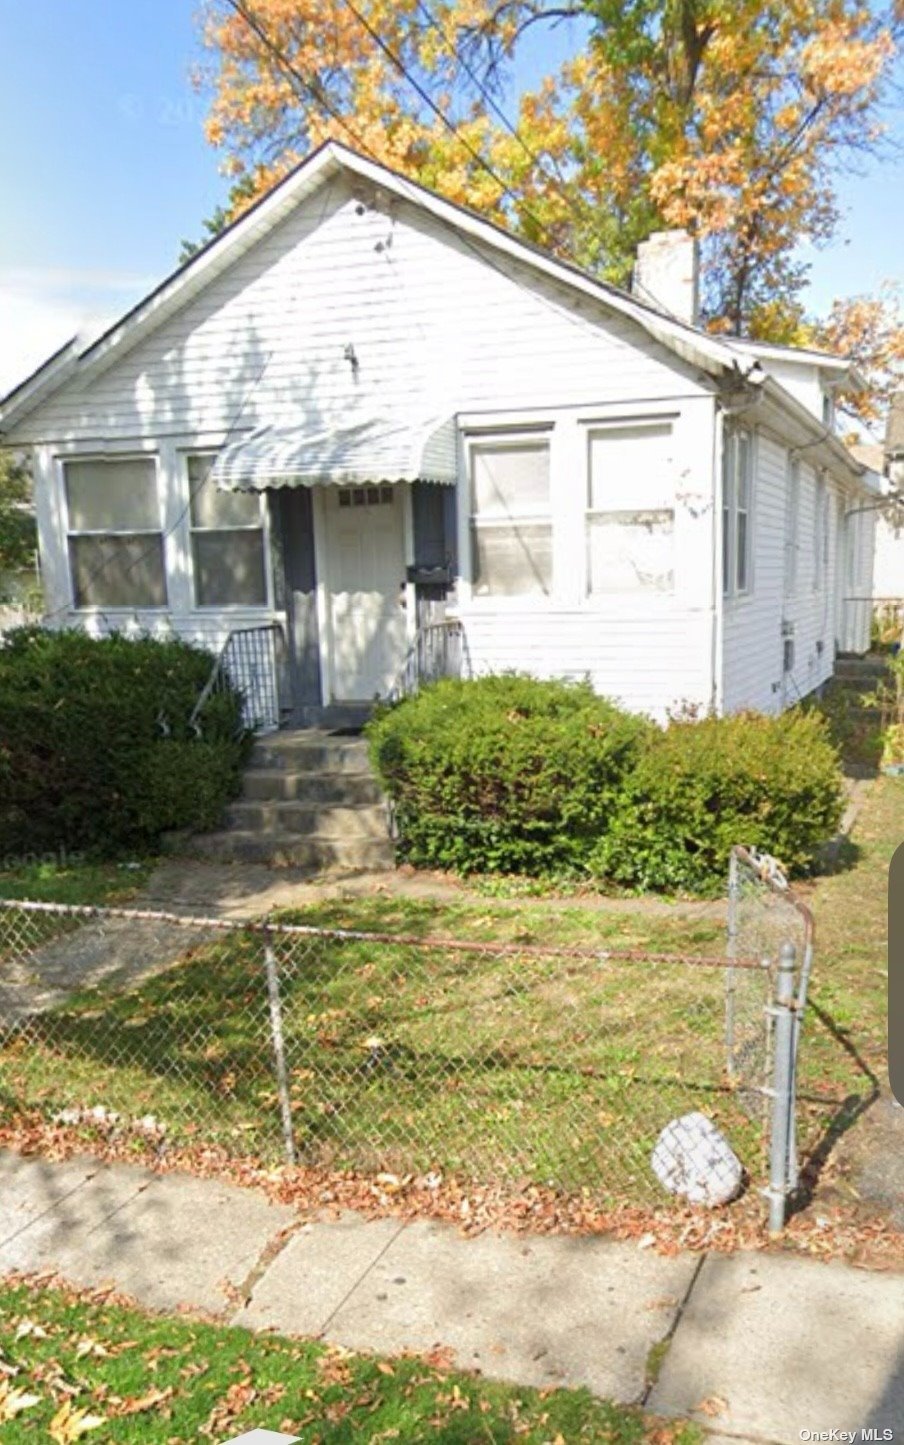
717, 662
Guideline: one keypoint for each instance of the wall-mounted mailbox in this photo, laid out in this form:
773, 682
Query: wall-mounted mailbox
423, 576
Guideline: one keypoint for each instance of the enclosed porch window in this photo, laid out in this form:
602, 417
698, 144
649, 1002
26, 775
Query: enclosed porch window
511, 522
227, 540
115, 536
630, 511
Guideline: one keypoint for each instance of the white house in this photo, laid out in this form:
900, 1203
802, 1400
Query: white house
363, 405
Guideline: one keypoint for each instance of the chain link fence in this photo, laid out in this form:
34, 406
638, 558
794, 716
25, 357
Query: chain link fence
392, 1052
764, 1010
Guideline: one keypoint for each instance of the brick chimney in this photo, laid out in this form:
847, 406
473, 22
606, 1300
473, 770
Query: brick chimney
894, 441
667, 275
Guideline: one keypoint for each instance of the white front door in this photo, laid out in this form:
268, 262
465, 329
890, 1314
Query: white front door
365, 584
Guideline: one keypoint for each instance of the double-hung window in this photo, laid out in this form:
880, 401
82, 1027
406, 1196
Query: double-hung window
737, 516
227, 542
115, 535
511, 520
630, 509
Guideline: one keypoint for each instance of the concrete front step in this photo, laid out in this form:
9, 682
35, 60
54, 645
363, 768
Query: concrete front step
292, 850
324, 820
854, 669
263, 785
310, 752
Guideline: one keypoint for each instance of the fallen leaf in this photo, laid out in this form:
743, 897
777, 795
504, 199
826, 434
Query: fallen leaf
149, 1401
13, 1402
712, 1406
69, 1424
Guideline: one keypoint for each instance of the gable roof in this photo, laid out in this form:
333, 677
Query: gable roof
717, 356
183, 284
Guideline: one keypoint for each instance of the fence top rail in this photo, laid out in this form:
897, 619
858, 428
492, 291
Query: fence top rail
769, 872
269, 928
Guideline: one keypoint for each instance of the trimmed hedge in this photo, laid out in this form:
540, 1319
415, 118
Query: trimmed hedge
96, 752
768, 782
509, 774
504, 774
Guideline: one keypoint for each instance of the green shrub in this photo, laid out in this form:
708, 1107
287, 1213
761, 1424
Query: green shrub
505, 774
700, 787
96, 751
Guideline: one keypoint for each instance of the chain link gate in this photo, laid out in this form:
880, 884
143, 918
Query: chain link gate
764, 1010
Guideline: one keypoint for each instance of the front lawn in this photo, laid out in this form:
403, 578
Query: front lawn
68, 1358
74, 880
491, 1065
557, 1068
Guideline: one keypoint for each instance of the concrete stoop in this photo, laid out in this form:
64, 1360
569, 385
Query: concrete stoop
309, 800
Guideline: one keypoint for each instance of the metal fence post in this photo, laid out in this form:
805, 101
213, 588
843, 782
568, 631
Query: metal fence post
734, 893
279, 1050
782, 1011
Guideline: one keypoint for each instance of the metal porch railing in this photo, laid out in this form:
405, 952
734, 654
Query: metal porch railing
251, 660
439, 650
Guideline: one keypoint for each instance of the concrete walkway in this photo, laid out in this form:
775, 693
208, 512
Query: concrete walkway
754, 1346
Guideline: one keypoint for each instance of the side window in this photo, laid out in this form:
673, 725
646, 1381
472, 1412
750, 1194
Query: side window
227, 541
115, 536
511, 521
737, 515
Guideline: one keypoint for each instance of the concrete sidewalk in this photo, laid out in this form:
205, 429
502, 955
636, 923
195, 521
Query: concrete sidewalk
754, 1346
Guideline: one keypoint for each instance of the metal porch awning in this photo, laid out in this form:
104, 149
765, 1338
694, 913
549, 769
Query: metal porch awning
366, 450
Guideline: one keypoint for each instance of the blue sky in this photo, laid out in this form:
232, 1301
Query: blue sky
105, 171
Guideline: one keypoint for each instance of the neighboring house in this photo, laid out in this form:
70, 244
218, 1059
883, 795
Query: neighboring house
888, 574
363, 405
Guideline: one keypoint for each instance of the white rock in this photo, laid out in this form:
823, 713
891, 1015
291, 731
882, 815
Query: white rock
693, 1159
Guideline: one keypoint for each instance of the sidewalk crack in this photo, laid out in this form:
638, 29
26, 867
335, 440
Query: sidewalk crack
663, 1346
60, 1199
360, 1280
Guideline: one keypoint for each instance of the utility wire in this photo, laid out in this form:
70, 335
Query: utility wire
440, 114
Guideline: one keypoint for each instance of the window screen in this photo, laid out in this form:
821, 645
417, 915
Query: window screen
511, 522
227, 542
630, 516
116, 554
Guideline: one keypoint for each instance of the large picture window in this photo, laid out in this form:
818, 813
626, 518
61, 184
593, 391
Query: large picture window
511, 524
630, 509
227, 537
115, 533
737, 502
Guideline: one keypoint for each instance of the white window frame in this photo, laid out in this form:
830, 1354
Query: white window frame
263, 526
641, 422
502, 439
95, 609
731, 557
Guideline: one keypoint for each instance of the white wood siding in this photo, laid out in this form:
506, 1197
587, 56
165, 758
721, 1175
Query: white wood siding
438, 326
753, 635
888, 576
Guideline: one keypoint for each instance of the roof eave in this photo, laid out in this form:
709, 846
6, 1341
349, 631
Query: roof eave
28, 394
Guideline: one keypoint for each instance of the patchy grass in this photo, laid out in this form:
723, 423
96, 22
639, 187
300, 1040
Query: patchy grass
75, 880
845, 1051
162, 1380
